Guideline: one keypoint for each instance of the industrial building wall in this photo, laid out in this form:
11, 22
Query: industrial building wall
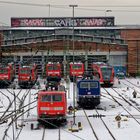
132, 37
118, 60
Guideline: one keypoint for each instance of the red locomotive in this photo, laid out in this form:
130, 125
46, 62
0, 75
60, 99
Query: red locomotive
27, 75
7, 74
104, 72
52, 107
53, 71
76, 69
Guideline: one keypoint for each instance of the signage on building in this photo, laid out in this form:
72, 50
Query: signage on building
63, 22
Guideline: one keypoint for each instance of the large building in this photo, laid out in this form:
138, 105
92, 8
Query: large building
86, 39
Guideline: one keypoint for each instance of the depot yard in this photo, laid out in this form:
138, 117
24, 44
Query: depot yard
116, 117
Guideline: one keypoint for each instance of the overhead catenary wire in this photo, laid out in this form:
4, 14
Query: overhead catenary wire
80, 7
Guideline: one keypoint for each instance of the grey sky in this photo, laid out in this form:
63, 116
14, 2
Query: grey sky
123, 15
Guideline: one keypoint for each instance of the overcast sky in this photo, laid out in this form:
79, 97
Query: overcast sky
124, 11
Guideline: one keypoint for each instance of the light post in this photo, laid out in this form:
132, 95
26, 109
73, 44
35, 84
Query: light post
49, 10
73, 6
107, 11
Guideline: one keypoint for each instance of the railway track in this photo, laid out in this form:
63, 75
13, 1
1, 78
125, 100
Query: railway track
122, 106
109, 131
131, 85
95, 130
43, 135
126, 100
136, 85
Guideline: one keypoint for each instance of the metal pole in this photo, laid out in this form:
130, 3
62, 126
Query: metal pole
49, 8
64, 57
59, 136
86, 57
29, 101
1, 47
73, 6
43, 63
108, 56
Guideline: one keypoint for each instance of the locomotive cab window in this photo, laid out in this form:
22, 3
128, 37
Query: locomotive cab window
106, 70
93, 85
57, 98
53, 67
3, 71
76, 67
88, 85
56, 67
25, 71
51, 98
84, 85
46, 98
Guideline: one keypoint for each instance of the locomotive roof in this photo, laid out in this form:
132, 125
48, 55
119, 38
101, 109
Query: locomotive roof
2, 65
27, 66
102, 64
89, 80
50, 92
76, 63
53, 63
99, 63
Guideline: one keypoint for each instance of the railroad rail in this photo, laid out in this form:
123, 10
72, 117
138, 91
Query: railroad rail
120, 104
91, 125
109, 131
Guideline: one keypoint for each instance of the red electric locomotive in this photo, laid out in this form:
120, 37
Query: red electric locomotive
52, 107
7, 74
27, 75
76, 69
53, 71
104, 72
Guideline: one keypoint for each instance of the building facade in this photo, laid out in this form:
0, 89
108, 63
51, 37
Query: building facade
51, 39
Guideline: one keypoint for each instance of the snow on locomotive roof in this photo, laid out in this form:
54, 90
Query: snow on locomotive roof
53, 62
102, 64
99, 63
25, 66
76, 63
28, 65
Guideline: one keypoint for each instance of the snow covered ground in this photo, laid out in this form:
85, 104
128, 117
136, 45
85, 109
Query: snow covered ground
125, 106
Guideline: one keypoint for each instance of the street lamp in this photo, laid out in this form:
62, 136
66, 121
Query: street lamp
73, 6
49, 10
106, 11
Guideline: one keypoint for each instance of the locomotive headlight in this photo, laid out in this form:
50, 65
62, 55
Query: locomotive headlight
80, 72
89, 93
74, 72
58, 108
5, 76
